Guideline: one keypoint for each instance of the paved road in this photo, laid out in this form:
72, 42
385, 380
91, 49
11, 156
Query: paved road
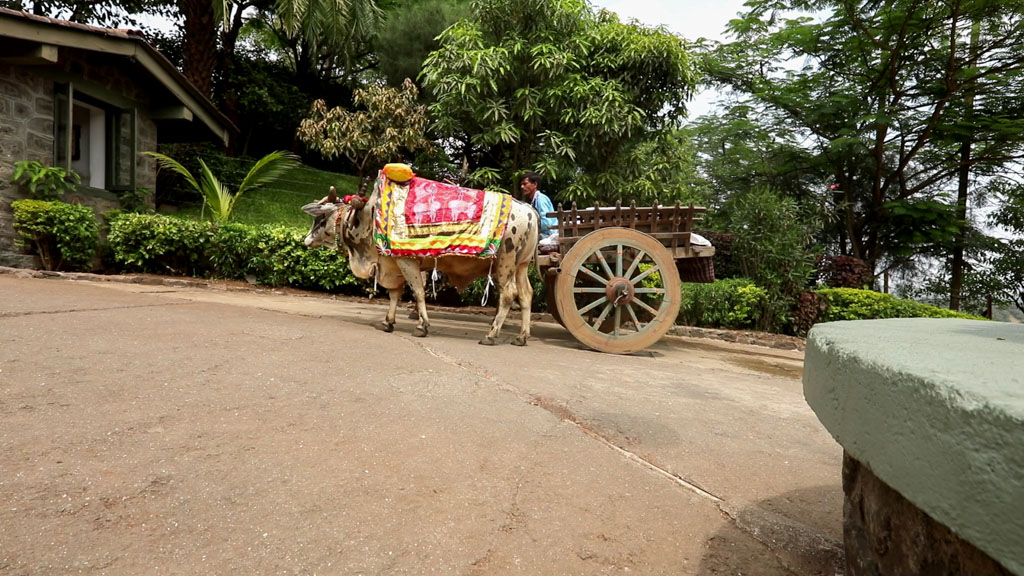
155, 429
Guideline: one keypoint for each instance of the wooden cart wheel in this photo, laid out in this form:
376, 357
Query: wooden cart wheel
550, 277
618, 290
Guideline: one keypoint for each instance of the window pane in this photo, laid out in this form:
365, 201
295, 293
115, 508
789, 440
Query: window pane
122, 145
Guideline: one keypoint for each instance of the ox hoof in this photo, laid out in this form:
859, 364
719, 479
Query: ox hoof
487, 341
519, 341
385, 327
419, 332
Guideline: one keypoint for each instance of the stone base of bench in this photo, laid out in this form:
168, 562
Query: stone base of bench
886, 535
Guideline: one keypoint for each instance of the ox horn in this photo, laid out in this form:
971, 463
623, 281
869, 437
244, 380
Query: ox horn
332, 196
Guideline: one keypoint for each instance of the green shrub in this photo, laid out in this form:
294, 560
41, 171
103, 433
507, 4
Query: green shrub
268, 255
854, 304
44, 182
277, 256
64, 235
735, 303
160, 244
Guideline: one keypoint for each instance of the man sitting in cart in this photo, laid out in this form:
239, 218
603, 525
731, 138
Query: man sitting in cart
529, 184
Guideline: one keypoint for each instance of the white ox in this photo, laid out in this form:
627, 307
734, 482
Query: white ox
350, 227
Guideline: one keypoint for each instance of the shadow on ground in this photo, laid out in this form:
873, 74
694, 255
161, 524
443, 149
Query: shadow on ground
764, 539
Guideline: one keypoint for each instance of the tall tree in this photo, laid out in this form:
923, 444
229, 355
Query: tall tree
882, 95
323, 40
408, 34
199, 25
551, 86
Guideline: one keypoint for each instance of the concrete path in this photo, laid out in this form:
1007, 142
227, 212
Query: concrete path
155, 429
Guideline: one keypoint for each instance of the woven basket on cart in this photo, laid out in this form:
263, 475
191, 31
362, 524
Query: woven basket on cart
699, 270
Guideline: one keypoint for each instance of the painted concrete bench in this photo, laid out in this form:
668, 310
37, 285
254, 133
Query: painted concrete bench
930, 415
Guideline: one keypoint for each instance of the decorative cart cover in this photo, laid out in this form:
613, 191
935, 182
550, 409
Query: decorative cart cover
424, 218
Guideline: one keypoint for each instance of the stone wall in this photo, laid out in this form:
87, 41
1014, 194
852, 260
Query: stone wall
885, 534
26, 133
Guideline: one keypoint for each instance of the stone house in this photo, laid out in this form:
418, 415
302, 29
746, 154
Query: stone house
92, 100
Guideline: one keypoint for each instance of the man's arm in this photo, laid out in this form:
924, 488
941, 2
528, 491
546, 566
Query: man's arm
544, 207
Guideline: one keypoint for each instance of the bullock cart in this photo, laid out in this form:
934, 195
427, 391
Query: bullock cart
614, 278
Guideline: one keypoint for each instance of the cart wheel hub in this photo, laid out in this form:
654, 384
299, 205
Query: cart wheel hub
619, 291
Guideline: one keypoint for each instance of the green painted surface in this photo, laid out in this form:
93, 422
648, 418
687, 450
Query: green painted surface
935, 407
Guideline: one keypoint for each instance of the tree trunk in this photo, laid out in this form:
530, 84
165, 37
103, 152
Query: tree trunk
956, 280
200, 50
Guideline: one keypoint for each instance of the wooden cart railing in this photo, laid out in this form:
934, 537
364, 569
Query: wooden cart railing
670, 225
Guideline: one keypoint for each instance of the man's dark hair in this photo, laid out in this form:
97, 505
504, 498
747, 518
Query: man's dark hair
532, 177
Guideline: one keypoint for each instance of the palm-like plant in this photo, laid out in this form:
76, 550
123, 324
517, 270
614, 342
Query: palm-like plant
215, 194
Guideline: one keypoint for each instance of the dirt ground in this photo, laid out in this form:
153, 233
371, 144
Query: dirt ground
179, 429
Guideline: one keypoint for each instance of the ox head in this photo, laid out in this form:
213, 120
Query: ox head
330, 215
324, 213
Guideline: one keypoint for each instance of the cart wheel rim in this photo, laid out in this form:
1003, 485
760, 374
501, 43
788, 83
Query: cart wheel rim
618, 290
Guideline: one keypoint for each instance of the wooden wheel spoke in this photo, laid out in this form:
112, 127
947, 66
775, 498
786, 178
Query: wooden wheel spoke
592, 305
618, 320
644, 305
645, 274
636, 321
604, 263
587, 290
636, 262
592, 274
618, 260
604, 314
649, 291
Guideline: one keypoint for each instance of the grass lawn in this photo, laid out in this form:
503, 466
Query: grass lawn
281, 201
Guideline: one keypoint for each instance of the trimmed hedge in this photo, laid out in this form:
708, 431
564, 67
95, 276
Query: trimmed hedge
854, 304
269, 255
737, 303
65, 236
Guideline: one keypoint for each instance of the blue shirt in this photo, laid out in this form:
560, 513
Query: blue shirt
542, 204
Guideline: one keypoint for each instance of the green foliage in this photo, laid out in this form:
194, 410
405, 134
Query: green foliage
65, 236
268, 255
550, 86
409, 33
735, 303
1005, 270
319, 39
160, 245
44, 182
740, 149
772, 244
269, 102
389, 123
278, 256
853, 304
896, 103
135, 200
216, 195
